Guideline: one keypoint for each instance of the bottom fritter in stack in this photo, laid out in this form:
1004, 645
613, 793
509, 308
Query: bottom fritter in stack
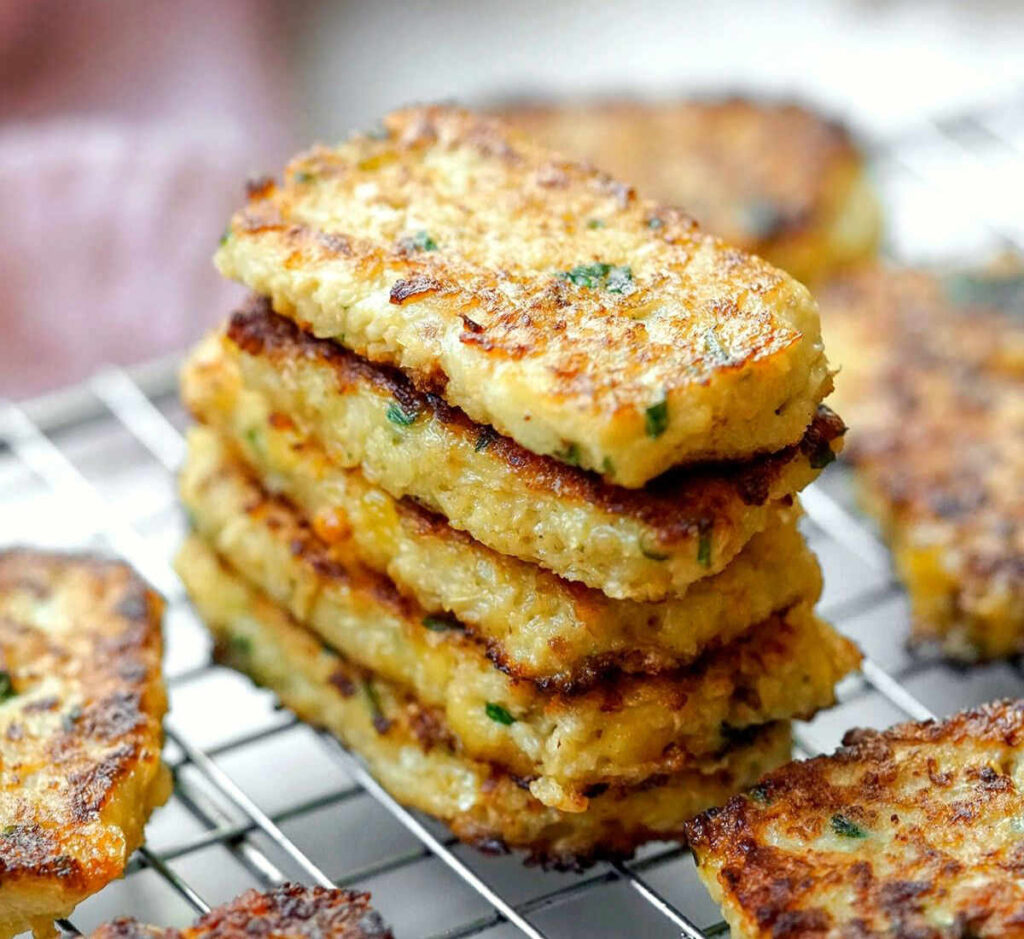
525, 710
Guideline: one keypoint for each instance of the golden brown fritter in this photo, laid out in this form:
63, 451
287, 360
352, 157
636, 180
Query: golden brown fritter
621, 731
935, 391
290, 911
775, 179
536, 625
637, 544
412, 751
81, 704
540, 296
917, 831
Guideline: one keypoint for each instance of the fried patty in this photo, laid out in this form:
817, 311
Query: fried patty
81, 704
416, 755
916, 831
290, 911
624, 730
536, 625
540, 296
936, 391
630, 544
773, 178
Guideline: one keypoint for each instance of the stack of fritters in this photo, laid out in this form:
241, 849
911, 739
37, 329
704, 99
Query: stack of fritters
933, 381
519, 525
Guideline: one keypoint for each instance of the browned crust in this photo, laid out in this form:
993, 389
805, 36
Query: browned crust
702, 131
115, 658
770, 870
934, 391
291, 910
677, 505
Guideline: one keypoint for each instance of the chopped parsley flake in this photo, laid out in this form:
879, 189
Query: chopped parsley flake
823, 455
380, 723
304, 177
398, 415
841, 825
224, 238
571, 454
607, 466
595, 223
240, 645
6, 687
440, 624
655, 223
656, 419
422, 241
483, 439
252, 435
651, 553
704, 549
498, 714
612, 278
760, 794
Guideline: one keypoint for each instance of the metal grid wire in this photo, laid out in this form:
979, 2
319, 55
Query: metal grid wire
260, 798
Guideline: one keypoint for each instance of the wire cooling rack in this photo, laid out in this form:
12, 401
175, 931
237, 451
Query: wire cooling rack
260, 797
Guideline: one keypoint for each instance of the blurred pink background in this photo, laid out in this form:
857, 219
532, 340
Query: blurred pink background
127, 132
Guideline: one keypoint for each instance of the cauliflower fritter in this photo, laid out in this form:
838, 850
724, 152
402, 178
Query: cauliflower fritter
935, 390
539, 296
81, 705
773, 178
913, 831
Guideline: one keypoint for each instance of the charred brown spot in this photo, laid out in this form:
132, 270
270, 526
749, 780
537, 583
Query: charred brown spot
410, 287
260, 187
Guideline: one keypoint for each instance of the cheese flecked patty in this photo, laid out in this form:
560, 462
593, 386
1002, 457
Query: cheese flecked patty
540, 296
81, 704
913, 831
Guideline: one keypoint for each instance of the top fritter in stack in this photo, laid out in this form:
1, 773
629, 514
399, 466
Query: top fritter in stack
496, 482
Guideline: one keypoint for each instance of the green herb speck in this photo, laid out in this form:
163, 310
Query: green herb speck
226, 236
841, 825
656, 419
304, 177
240, 645
655, 223
483, 439
704, 549
422, 241
760, 794
571, 454
398, 415
252, 436
613, 278
440, 624
595, 223
498, 714
6, 687
823, 455
651, 553
607, 466
380, 723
